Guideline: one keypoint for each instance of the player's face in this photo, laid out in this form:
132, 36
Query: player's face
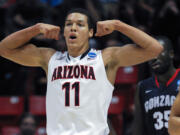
76, 30
161, 64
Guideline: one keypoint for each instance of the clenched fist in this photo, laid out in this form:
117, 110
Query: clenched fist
49, 31
105, 27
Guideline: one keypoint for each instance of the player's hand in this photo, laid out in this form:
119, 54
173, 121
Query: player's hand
49, 31
105, 27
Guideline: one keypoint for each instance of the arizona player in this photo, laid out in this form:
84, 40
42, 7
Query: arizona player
79, 87
155, 95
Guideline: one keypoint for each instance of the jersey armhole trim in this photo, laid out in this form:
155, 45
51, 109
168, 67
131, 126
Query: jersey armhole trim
109, 83
50, 60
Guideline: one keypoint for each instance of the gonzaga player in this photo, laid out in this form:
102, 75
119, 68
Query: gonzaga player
80, 81
155, 95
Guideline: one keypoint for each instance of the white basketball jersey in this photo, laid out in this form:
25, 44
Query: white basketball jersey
78, 94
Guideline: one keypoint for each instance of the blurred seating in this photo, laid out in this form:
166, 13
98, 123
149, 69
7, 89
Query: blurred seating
9, 130
37, 105
14, 130
13, 105
116, 110
41, 131
10, 109
121, 103
127, 75
117, 104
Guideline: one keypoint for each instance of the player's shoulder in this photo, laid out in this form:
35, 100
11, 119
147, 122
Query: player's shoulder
95, 50
178, 72
108, 50
59, 55
146, 82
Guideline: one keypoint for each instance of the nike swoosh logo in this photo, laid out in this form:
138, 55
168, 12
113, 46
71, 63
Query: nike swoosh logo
147, 91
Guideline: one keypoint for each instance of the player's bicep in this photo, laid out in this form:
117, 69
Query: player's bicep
28, 55
175, 110
130, 54
174, 121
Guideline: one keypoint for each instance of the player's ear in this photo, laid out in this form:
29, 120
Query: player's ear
91, 32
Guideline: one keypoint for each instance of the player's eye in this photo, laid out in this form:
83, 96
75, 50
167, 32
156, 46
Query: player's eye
68, 24
79, 24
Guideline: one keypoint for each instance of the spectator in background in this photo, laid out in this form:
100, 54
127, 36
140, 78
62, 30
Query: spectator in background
167, 13
145, 12
4, 4
127, 11
25, 13
57, 10
155, 95
157, 15
110, 8
28, 124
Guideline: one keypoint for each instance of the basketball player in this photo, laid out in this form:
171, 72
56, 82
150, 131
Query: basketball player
155, 95
80, 81
174, 120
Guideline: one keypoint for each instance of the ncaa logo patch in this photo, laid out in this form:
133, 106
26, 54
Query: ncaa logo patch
178, 85
92, 55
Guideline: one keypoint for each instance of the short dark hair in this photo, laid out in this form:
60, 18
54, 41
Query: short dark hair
84, 12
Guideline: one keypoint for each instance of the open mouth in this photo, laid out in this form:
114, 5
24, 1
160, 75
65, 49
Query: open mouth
155, 65
72, 37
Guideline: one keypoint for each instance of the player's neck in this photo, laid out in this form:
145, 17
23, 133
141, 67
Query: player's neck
166, 76
77, 51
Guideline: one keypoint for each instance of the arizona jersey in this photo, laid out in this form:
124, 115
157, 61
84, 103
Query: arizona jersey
156, 101
78, 94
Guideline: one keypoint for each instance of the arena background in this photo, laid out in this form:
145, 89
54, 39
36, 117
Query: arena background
23, 89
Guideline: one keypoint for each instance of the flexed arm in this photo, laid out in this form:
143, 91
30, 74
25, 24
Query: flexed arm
174, 120
146, 47
13, 46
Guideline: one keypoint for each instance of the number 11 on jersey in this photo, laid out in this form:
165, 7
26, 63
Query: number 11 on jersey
68, 87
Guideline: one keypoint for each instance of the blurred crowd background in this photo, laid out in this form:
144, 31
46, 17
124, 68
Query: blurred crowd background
155, 17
